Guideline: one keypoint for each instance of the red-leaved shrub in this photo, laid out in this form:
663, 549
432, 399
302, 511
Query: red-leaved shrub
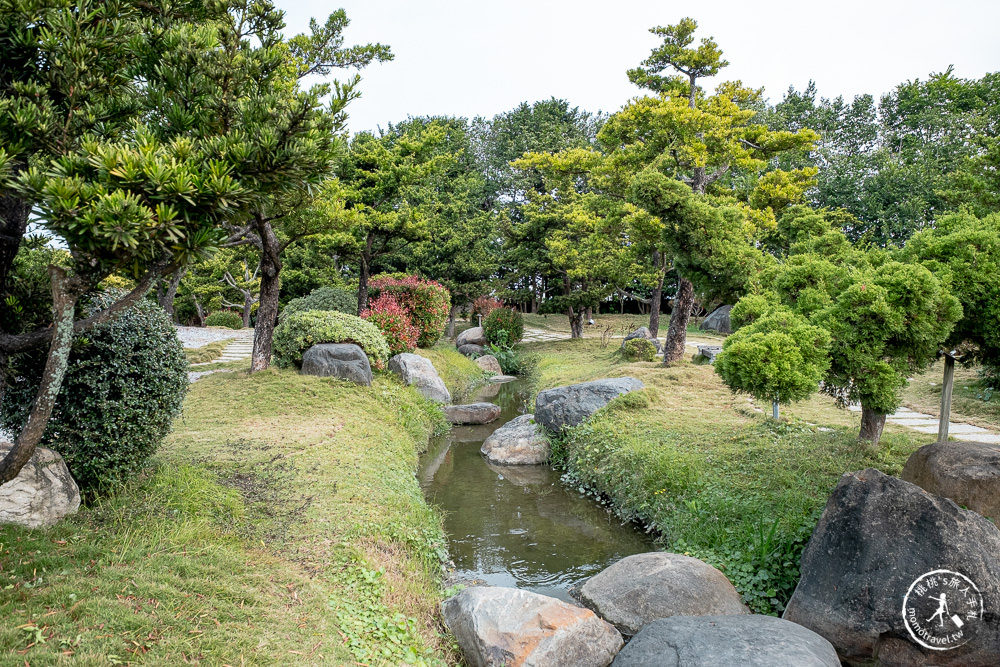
427, 301
485, 305
394, 321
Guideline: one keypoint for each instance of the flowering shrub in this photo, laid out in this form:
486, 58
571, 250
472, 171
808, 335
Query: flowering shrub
300, 331
503, 327
485, 305
394, 321
427, 301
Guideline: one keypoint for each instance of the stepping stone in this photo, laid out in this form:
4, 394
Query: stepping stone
952, 429
914, 422
988, 438
903, 413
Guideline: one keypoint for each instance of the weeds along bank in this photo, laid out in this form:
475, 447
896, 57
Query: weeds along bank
283, 525
717, 479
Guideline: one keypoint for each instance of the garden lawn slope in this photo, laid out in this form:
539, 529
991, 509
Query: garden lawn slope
715, 477
284, 525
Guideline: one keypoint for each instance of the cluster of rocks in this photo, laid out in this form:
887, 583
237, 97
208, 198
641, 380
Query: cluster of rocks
676, 610
471, 341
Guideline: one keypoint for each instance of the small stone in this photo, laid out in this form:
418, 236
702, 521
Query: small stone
473, 413
419, 372
517, 442
509, 626
755, 641
489, 364
42, 493
644, 587
340, 360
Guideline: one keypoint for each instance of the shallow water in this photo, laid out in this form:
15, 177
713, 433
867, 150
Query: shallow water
518, 526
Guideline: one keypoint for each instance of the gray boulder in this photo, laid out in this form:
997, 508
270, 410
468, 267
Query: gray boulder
966, 472
473, 413
711, 641
42, 493
489, 364
882, 556
644, 587
517, 442
473, 336
339, 360
568, 406
718, 320
469, 349
418, 372
644, 332
509, 626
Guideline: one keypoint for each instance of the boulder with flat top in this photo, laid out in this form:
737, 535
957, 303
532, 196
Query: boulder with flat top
339, 360
966, 472
418, 372
473, 413
472, 336
517, 442
561, 407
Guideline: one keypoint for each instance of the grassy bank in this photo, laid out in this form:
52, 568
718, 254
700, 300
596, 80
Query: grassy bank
715, 477
283, 525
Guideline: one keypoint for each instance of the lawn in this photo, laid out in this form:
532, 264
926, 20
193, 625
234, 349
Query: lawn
281, 524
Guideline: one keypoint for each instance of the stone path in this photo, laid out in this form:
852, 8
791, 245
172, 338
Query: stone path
923, 423
240, 348
540, 335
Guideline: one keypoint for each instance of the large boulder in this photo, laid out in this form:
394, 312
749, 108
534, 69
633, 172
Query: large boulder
707, 641
469, 349
473, 413
718, 320
644, 587
42, 493
339, 360
509, 626
966, 472
568, 406
489, 364
517, 442
643, 332
898, 576
418, 372
473, 336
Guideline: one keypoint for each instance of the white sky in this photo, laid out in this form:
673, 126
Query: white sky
468, 58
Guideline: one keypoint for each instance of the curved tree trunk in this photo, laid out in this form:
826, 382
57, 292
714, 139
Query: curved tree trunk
267, 311
673, 348
166, 299
872, 423
575, 323
63, 304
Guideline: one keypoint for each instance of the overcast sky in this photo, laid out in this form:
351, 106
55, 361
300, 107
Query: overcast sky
469, 58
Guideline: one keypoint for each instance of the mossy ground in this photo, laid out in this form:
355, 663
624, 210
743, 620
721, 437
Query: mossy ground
281, 524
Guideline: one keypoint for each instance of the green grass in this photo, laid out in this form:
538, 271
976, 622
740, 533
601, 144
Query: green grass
923, 394
713, 476
206, 353
283, 525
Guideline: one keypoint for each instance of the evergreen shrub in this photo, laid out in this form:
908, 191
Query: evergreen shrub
323, 298
639, 349
123, 387
503, 326
224, 318
300, 331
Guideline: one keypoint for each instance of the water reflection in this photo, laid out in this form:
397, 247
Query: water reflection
518, 526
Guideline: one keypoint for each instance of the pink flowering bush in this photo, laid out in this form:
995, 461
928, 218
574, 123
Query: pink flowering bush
394, 321
427, 301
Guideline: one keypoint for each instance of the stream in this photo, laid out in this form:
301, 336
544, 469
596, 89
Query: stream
518, 526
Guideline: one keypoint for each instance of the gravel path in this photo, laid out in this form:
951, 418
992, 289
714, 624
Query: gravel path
200, 336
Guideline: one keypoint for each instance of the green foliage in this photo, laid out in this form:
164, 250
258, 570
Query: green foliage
300, 331
639, 349
323, 298
224, 318
123, 387
506, 320
779, 357
428, 303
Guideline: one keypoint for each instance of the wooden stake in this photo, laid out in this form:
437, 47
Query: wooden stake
949, 383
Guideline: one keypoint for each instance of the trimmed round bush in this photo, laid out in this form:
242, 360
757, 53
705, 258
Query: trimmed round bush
123, 387
323, 298
224, 318
394, 322
639, 349
300, 331
427, 301
503, 326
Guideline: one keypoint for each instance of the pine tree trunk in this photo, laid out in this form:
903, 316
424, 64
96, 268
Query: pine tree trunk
270, 287
166, 299
247, 307
656, 299
674, 348
452, 314
575, 323
14, 213
48, 389
872, 423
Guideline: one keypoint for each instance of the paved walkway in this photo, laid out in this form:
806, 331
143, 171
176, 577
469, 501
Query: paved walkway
923, 423
240, 347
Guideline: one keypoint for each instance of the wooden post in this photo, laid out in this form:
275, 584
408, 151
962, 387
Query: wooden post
949, 383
